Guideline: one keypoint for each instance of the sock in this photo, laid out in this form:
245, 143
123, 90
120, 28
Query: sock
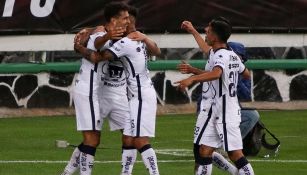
223, 164
73, 164
205, 166
128, 159
86, 159
245, 168
150, 159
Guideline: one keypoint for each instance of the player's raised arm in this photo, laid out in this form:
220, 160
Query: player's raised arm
188, 26
114, 33
83, 35
151, 45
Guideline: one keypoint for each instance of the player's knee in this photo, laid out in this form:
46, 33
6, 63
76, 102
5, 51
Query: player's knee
91, 139
127, 140
235, 155
205, 151
139, 142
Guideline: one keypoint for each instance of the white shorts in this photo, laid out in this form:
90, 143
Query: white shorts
87, 112
203, 119
116, 110
226, 135
143, 109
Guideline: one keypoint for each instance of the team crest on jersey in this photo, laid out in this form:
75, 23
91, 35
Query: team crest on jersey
138, 49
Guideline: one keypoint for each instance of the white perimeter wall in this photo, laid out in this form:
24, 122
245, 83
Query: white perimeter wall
65, 41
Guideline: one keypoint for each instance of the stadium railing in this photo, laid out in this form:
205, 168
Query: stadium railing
158, 65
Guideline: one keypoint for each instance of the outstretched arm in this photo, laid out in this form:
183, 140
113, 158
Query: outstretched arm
152, 47
188, 26
186, 68
206, 76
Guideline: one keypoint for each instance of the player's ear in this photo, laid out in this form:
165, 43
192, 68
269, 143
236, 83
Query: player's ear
113, 21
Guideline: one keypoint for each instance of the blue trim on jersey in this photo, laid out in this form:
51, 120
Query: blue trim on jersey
131, 66
220, 87
115, 57
204, 127
224, 123
91, 100
138, 125
95, 67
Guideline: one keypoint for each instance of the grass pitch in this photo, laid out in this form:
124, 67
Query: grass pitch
28, 145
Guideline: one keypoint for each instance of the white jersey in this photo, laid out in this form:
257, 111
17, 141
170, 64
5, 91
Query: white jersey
113, 78
132, 54
143, 100
88, 79
226, 107
207, 90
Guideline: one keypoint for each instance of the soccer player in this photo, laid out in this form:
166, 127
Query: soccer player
86, 94
223, 127
204, 110
142, 96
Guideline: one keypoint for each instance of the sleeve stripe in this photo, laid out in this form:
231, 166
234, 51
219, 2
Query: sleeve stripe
115, 57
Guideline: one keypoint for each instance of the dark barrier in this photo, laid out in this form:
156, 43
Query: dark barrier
64, 16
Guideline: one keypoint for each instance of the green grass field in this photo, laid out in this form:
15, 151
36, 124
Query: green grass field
28, 146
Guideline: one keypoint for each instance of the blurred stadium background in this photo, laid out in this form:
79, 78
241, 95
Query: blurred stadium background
38, 64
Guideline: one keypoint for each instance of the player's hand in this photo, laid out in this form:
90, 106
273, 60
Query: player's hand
188, 26
82, 37
78, 46
137, 36
116, 33
184, 67
184, 84
99, 29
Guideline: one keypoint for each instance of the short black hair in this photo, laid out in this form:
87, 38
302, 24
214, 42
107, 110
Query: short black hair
113, 9
221, 27
133, 11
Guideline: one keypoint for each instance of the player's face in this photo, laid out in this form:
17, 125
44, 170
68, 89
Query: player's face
122, 20
209, 35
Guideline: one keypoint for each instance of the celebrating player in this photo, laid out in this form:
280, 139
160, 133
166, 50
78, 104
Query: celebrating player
220, 125
86, 95
142, 96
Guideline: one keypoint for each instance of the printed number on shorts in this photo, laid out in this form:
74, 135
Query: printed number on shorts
196, 131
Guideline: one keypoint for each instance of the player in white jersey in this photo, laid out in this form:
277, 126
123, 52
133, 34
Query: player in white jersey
142, 96
224, 130
86, 97
205, 110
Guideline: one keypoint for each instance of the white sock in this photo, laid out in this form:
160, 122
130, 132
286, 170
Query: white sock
246, 170
150, 160
204, 169
128, 160
86, 163
223, 164
73, 164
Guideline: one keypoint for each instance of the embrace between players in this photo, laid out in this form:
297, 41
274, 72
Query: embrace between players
114, 83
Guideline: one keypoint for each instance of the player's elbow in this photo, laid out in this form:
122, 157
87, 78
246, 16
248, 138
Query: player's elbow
246, 74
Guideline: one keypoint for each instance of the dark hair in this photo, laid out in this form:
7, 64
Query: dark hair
221, 27
133, 11
113, 9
